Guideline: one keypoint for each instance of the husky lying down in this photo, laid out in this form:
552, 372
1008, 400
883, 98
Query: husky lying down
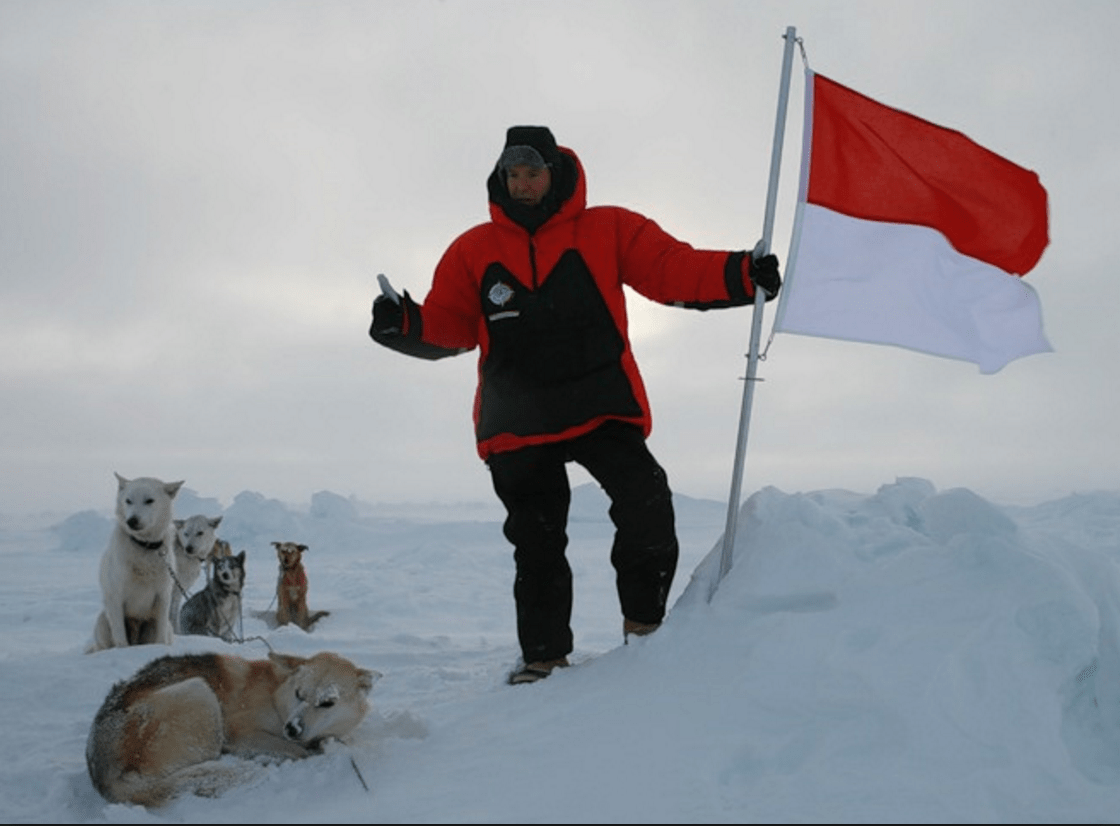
157, 734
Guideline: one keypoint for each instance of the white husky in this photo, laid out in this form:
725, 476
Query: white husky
194, 542
136, 567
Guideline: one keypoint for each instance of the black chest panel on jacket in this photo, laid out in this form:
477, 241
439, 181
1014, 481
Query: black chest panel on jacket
554, 360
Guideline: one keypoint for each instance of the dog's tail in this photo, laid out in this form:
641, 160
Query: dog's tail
209, 779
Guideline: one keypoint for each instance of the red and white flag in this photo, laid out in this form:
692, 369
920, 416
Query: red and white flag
911, 234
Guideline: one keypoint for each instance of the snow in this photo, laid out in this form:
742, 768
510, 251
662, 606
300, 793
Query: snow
911, 655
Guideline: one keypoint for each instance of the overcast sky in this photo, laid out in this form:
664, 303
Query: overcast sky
196, 198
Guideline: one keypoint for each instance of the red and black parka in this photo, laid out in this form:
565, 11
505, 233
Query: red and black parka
547, 311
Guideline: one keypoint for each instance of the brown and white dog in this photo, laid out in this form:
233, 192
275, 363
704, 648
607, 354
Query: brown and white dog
291, 588
221, 548
159, 733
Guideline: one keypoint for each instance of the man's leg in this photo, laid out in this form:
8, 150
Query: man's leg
533, 485
645, 548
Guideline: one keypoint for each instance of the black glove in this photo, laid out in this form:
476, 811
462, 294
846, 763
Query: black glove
764, 273
388, 317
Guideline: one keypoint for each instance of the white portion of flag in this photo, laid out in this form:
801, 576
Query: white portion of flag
904, 285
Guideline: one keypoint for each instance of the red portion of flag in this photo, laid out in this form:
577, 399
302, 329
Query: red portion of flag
877, 163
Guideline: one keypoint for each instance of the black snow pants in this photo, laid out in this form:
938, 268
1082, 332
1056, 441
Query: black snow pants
532, 483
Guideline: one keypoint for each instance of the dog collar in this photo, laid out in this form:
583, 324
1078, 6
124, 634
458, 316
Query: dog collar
151, 546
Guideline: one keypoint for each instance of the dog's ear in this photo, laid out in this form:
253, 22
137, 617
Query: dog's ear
241, 558
179, 522
121, 481
215, 522
302, 548
277, 545
171, 488
367, 678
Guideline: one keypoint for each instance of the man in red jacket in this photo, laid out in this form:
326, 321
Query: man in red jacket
538, 289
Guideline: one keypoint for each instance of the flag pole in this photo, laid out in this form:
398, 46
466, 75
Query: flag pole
762, 248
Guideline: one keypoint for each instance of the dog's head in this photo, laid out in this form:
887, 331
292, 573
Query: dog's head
290, 554
196, 535
323, 696
229, 572
144, 505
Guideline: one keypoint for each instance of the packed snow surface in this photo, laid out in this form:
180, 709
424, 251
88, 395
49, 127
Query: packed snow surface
910, 655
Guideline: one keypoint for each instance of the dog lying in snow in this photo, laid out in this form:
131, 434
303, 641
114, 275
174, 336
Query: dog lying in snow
159, 733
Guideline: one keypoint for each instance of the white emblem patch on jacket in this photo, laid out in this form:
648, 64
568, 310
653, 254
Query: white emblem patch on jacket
500, 295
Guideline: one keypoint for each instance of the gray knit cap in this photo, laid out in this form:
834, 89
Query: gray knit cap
518, 155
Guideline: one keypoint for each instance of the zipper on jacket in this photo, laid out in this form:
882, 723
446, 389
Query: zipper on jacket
533, 262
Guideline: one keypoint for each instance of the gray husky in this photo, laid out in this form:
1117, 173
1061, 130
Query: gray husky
215, 610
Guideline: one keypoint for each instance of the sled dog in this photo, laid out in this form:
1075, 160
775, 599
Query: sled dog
158, 733
194, 542
215, 610
221, 548
136, 567
291, 588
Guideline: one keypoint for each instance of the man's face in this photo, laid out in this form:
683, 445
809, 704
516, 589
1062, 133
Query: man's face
528, 185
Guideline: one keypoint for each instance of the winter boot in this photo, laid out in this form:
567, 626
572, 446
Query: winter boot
531, 672
638, 629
